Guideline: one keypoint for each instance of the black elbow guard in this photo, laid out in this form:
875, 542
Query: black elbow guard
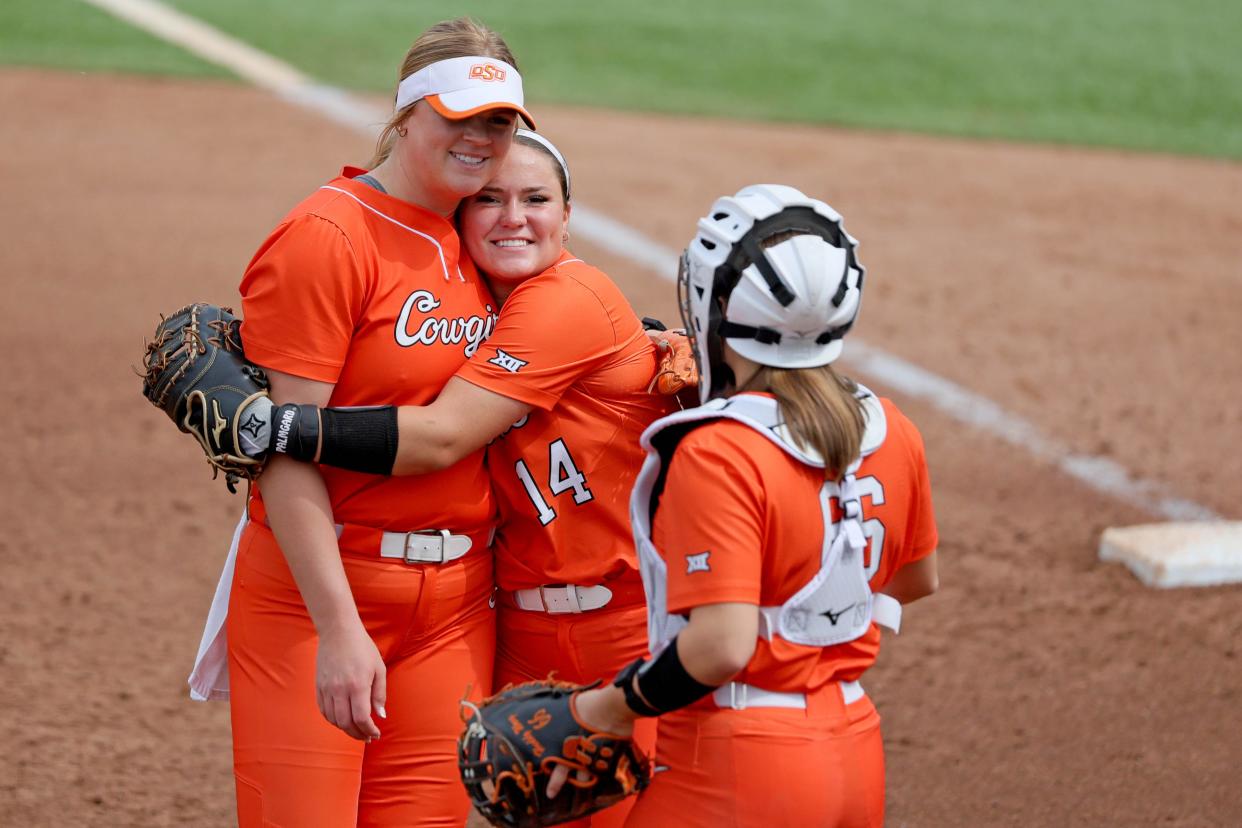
360, 439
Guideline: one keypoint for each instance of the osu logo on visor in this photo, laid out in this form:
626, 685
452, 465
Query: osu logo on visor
487, 72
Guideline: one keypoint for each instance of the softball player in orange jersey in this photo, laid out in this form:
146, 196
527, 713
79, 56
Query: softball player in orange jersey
777, 525
561, 389
567, 347
356, 595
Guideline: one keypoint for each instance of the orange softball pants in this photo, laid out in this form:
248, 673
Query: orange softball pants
761, 767
578, 647
436, 632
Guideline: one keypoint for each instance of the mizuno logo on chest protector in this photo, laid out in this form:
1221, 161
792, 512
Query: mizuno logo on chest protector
834, 617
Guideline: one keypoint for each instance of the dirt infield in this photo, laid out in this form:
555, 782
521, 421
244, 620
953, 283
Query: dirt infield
1096, 294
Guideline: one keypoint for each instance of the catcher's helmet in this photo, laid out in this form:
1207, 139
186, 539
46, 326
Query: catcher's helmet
787, 305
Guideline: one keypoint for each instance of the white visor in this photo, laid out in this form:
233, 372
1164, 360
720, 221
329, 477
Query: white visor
459, 88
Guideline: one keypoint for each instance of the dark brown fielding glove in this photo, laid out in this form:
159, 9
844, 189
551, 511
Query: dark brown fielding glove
514, 740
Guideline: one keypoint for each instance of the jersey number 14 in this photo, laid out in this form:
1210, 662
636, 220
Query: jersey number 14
563, 476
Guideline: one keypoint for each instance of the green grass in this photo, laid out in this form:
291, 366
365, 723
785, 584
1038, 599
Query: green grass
1144, 74
67, 34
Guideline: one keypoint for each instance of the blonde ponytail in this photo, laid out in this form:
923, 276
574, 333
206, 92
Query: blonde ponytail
821, 409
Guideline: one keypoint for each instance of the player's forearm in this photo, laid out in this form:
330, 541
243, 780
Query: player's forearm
718, 642
299, 513
412, 439
379, 439
664, 684
383, 439
429, 440
357, 439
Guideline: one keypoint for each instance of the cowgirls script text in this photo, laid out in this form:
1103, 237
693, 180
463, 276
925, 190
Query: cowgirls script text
472, 330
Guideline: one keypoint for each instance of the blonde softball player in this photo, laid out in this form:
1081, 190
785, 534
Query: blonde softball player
777, 525
359, 611
561, 391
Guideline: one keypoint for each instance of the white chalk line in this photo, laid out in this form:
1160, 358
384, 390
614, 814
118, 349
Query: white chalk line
1099, 473
267, 72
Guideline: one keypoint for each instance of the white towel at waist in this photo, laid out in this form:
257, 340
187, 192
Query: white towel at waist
210, 679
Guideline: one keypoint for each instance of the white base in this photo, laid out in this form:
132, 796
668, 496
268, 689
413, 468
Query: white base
1177, 554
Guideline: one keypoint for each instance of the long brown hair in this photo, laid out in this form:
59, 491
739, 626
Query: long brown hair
461, 37
821, 409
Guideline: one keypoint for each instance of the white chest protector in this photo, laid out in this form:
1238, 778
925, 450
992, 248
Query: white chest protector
837, 605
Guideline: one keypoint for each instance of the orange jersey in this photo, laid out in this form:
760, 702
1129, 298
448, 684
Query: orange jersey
360, 289
754, 510
569, 344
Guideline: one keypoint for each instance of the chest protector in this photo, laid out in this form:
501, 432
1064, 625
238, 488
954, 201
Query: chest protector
837, 604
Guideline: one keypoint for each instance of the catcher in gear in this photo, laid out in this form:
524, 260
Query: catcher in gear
763, 607
196, 371
514, 742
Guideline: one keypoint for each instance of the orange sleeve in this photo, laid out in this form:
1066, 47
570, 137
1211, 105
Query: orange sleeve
552, 330
711, 506
301, 298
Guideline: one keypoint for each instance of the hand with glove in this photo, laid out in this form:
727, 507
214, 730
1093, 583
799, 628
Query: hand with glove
196, 371
676, 369
196, 365
517, 740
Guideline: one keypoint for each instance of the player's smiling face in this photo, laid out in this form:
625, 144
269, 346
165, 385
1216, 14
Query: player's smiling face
513, 227
449, 160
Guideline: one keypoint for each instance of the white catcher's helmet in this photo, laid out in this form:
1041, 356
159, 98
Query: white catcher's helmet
788, 305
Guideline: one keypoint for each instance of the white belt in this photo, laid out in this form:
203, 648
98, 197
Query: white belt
426, 546
738, 696
852, 691
562, 599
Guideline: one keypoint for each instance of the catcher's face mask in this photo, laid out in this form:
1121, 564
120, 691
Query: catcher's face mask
787, 305
694, 297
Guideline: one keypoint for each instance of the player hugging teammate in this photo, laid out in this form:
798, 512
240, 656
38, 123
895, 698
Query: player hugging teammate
774, 526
